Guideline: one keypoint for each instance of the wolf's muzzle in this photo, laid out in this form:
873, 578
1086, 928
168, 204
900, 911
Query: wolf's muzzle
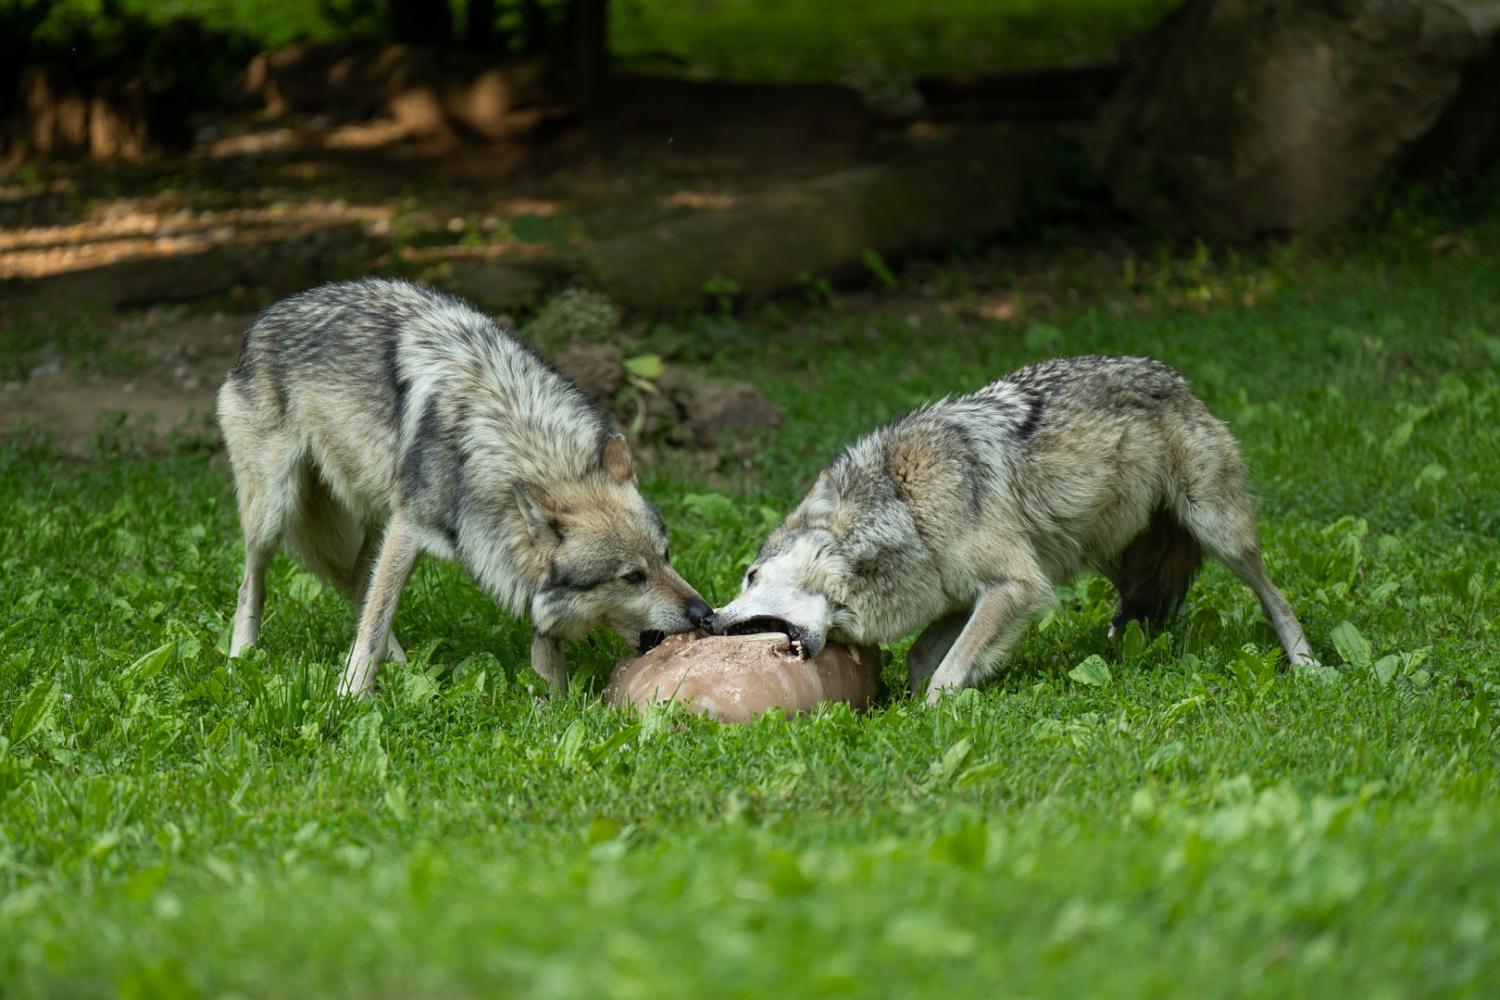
804, 640
699, 613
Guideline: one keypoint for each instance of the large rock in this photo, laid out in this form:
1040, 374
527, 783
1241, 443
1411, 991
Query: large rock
808, 123
830, 226
1466, 142
1251, 116
500, 285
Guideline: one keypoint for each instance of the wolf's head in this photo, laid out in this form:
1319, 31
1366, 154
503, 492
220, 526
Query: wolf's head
606, 559
847, 563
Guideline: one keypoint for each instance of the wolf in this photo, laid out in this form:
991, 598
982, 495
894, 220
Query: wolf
961, 517
369, 422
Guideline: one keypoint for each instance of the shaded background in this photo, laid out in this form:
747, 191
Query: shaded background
169, 168
817, 213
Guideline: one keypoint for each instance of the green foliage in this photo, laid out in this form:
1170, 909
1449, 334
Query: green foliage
878, 267
1171, 814
171, 48
1093, 671
875, 45
531, 228
869, 44
75, 337
273, 22
722, 290
645, 366
576, 314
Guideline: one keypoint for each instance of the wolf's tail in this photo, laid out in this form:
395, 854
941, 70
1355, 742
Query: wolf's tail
1153, 571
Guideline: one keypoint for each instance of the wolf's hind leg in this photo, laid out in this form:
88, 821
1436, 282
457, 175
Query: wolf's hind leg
261, 521
1247, 565
260, 545
999, 617
931, 646
398, 555
1226, 528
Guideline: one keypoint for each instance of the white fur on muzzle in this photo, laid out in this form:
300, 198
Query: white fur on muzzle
802, 616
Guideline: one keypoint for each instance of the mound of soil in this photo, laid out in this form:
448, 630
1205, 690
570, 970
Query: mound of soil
153, 375
677, 408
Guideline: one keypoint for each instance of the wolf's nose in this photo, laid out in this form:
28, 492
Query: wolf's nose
698, 612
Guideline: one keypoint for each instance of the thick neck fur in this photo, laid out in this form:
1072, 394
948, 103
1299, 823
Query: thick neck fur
513, 421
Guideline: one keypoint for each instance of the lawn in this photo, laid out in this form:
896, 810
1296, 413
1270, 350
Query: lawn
1193, 821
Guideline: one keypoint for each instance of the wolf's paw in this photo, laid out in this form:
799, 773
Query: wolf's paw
359, 678
937, 692
393, 650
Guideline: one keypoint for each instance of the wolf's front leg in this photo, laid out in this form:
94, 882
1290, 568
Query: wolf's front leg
398, 554
548, 660
931, 646
999, 617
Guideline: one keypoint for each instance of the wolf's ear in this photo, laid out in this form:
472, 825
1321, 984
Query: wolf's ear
821, 502
536, 511
615, 458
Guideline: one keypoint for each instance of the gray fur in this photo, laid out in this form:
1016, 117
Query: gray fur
372, 421
977, 505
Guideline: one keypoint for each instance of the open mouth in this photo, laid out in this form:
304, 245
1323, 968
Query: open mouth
770, 623
649, 640
763, 623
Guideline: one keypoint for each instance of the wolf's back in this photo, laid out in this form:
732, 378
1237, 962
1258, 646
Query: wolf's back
335, 348
393, 384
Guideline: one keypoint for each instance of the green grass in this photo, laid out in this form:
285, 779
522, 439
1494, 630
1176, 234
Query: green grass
72, 337
1199, 824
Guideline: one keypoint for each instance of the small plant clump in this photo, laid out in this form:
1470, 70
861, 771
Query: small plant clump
576, 314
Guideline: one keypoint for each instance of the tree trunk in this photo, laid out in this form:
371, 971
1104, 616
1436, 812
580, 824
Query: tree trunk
537, 33
422, 22
479, 25
590, 55
17, 22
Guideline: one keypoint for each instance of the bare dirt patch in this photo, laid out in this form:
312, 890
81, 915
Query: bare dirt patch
166, 367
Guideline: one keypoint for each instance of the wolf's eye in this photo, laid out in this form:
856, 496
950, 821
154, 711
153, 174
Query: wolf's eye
666, 555
635, 577
750, 577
